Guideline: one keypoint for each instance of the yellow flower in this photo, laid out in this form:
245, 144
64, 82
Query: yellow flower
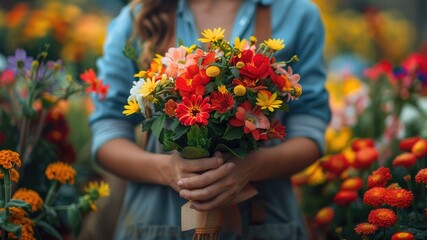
97, 190
9, 158
239, 90
148, 86
131, 108
212, 36
60, 171
222, 89
191, 48
29, 196
141, 74
275, 44
253, 40
268, 102
239, 44
212, 71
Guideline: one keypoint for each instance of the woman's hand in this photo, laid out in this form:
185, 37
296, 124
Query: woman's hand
218, 187
181, 168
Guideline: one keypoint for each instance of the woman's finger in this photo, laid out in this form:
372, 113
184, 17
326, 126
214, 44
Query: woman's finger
207, 178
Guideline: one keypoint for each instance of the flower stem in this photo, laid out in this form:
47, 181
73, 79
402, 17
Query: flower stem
52, 192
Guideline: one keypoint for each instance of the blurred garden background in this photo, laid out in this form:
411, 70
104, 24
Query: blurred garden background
376, 57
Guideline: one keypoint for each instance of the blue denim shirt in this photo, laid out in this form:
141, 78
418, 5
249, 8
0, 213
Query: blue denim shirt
152, 212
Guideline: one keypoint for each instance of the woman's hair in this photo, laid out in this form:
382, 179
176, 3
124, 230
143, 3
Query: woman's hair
155, 25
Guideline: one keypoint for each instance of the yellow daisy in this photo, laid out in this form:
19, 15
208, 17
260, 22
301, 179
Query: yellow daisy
267, 102
141, 74
148, 86
212, 36
131, 108
275, 44
222, 89
97, 190
238, 45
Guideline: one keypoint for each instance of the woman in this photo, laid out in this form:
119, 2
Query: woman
161, 183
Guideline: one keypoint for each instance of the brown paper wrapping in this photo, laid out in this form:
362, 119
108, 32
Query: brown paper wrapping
227, 218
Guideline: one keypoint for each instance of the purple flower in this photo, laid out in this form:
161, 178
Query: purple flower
19, 61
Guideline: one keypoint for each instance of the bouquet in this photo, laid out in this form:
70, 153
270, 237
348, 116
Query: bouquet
223, 99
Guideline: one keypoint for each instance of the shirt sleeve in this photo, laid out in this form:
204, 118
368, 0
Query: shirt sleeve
310, 114
107, 121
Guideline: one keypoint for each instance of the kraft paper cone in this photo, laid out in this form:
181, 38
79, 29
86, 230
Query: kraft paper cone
227, 218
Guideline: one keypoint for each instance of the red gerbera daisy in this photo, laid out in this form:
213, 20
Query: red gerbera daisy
402, 236
221, 102
420, 148
193, 111
362, 143
366, 228
382, 217
398, 197
407, 143
336, 164
276, 130
252, 119
379, 177
354, 183
421, 176
374, 196
345, 197
365, 157
324, 216
405, 160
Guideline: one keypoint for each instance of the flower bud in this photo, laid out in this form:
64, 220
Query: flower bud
240, 90
212, 71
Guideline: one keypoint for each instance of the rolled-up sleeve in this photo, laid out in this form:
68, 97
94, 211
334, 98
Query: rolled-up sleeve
107, 121
310, 114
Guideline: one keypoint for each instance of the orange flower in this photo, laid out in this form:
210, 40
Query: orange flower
362, 143
379, 177
420, 148
14, 175
324, 216
407, 143
374, 196
62, 172
382, 217
405, 160
345, 197
170, 107
29, 196
336, 164
9, 158
366, 228
398, 197
365, 157
354, 183
421, 176
402, 236
19, 217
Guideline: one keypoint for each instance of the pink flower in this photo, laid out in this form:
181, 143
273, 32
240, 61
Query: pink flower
176, 61
252, 119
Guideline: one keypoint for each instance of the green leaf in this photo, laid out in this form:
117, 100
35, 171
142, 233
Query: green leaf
210, 87
49, 229
20, 204
240, 152
10, 227
194, 152
198, 137
168, 143
74, 219
235, 72
158, 126
180, 130
232, 133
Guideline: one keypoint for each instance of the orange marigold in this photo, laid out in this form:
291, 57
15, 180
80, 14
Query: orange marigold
405, 160
398, 197
421, 176
365, 157
360, 143
382, 217
374, 196
29, 196
324, 216
379, 177
365, 228
354, 183
60, 171
407, 143
345, 197
420, 148
402, 236
8, 159
18, 217
14, 175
